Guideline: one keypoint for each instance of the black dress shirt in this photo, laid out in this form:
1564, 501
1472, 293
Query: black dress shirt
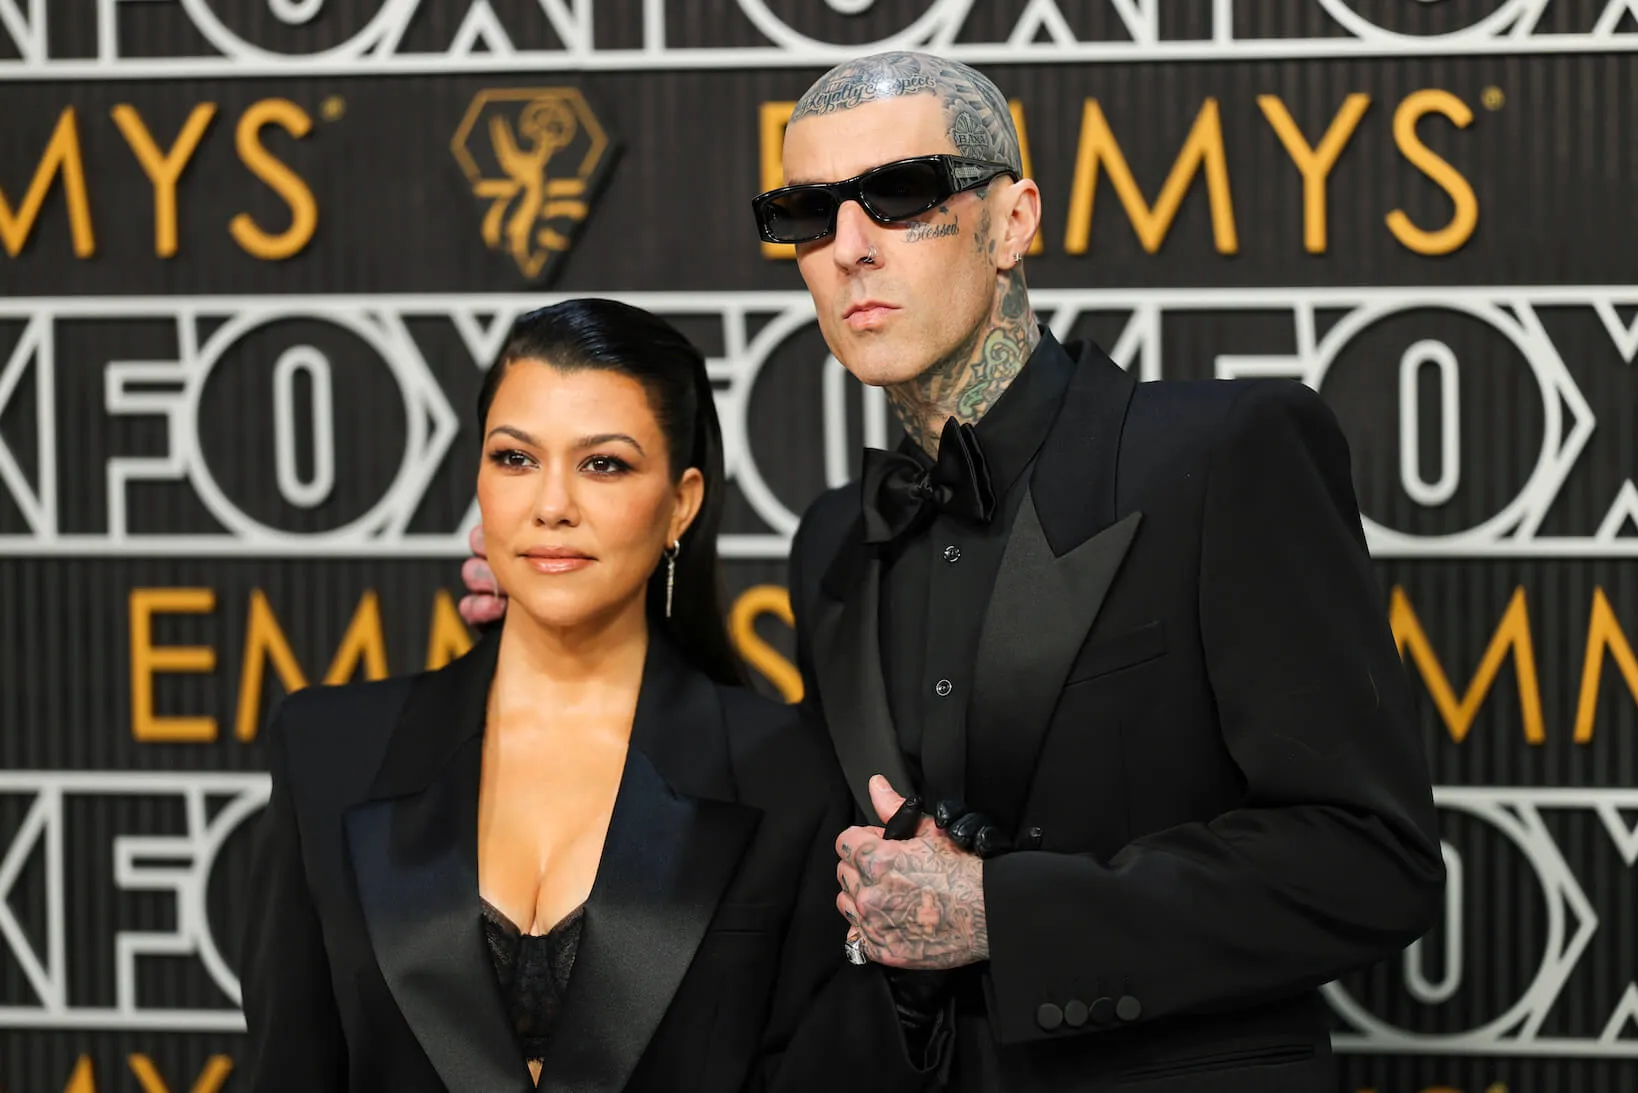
936, 582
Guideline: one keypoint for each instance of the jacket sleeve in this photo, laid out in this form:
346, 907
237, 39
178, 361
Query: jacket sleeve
295, 1037
1332, 859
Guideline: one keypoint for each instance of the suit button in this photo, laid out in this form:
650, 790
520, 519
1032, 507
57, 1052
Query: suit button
1049, 1016
1075, 1013
1128, 1008
1032, 838
1102, 1011
952, 554
943, 687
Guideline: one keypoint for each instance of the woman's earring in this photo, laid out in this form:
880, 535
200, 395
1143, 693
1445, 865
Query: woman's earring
671, 573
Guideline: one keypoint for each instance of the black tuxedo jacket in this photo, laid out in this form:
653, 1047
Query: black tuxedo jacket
1187, 695
711, 949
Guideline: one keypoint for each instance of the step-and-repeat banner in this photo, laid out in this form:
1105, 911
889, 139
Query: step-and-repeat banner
258, 253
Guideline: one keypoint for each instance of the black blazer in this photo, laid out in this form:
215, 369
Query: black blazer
1186, 691
711, 950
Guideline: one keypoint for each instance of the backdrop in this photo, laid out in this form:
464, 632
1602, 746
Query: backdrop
257, 254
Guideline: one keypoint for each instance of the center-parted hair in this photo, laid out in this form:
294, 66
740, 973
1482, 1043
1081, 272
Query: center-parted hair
977, 117
611, 336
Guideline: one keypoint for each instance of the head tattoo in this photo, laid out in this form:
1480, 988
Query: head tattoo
976, 115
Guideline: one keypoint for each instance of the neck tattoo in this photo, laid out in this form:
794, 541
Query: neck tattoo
967, 383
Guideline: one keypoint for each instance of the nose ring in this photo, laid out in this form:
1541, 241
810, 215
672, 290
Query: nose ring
870, 259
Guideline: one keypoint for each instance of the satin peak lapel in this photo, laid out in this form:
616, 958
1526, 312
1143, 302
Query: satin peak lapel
1039, 615
847, 659
671, 850
414, 856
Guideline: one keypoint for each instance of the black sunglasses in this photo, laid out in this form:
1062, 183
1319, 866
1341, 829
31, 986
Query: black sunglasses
889, 193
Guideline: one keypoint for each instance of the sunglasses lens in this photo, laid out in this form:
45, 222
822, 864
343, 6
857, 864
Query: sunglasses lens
798, 216
905, 189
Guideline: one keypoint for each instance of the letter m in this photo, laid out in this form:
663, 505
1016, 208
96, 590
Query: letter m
1512, 635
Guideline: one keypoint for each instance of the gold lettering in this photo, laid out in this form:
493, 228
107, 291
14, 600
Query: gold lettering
163, 168
83, 1079
1603, 633
759, 600
1036, 245
1466, 215
1315, 164
772, 120
279, 178
217, 1069
448, 637
148, 659
1202, 148
363, 643
1511, 634
264, 641
61, 157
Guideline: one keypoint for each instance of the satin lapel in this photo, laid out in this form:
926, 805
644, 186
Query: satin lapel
674, 842
1064, 552
415, 861
1039, 615
847, 659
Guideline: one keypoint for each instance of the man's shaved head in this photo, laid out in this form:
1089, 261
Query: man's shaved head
932, 308
978, 120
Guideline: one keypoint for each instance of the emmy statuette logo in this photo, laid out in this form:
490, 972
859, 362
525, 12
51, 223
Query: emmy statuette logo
536, 157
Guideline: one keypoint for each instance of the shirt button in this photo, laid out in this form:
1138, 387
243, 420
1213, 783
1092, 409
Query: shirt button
952, 554
943, 687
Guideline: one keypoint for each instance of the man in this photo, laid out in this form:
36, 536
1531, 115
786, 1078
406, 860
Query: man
1123, 639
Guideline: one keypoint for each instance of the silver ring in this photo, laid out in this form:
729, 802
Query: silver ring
870, 259
855, 951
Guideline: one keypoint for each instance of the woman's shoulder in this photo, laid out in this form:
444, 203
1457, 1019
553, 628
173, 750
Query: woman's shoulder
314, 705
328, 724
752, 716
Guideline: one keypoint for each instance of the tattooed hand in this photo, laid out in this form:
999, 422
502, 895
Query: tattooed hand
918, 902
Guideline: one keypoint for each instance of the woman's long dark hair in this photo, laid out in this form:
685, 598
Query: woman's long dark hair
615, 337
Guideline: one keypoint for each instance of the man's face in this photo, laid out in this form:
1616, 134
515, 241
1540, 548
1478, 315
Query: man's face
932, 284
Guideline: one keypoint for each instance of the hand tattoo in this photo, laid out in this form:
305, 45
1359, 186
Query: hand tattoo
920, 902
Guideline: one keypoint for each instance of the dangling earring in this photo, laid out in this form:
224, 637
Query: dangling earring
671, 573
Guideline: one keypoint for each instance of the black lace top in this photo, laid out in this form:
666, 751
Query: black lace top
533, 970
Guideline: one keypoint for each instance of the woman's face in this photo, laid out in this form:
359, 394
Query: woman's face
577, 493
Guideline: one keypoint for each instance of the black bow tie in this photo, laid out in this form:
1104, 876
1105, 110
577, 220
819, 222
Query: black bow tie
901, 493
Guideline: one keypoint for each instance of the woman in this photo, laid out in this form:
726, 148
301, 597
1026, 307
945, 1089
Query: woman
581, 856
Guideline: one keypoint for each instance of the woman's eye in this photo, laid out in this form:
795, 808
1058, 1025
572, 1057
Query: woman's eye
606, 464
510, 457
